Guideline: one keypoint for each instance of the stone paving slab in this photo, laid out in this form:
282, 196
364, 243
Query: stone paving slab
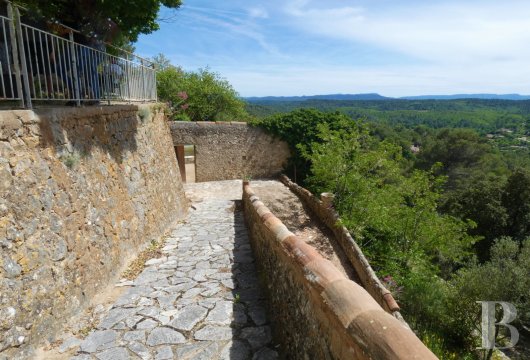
189, 304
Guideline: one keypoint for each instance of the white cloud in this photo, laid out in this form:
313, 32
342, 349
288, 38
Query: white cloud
239, 27
396, 48
390, 81
258, 12
449, 32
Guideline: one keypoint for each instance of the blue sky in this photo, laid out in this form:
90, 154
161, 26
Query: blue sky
395, 48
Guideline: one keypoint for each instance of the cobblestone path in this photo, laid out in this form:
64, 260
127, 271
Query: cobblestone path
200, 301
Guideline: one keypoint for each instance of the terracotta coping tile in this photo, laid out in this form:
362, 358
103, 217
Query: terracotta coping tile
302, 252
384, 337
348, 300
322, 272
275, 225
272, 222
266, 216
283, 234
391, 302
257, 204
331, 216
262, 211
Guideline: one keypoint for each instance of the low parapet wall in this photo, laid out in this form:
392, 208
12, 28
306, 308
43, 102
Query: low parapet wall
316, 311
231, 150
82, 189
366, 274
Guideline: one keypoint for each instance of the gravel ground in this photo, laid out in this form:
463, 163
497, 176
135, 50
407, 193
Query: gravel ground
287, 207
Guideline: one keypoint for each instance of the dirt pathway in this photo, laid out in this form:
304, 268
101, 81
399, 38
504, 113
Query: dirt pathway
299, 220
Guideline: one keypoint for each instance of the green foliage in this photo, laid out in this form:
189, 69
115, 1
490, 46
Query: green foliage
438, 344
144, 114
503, 278
131, 17
482, 185
454, 148
425, 300
299, 130
237, 298
418, 215
71, 160
198, 96
161, 62
168, 81
393, 216
506, 122
479, 198
516, 200
445, 314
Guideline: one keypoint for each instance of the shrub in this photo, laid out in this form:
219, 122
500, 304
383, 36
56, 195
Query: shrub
199, 96
299, 129
503, 278
393, 216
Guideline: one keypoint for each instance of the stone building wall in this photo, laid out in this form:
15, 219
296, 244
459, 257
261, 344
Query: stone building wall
81, 190
318, 313
231, 150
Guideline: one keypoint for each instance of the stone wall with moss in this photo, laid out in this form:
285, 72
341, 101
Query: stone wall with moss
231, 150
82, 189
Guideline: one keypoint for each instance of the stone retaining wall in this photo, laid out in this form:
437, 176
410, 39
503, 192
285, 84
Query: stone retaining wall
317, 312
231, 150
82, 189
366, 274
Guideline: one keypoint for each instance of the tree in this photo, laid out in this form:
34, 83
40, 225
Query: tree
516, 200
458, 150
128, 18
500, 205
503, 278
479, 198
393, 216
161, 62
299, 129
198, 96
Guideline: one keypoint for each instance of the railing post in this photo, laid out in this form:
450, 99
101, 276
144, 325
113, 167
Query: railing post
143, 79
128, 79
25, 76
75, 74
14, 49
154, 79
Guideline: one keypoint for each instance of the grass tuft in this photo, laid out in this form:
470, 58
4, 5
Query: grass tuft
153, 251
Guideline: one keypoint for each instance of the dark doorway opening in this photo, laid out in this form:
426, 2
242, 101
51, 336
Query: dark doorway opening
186, 161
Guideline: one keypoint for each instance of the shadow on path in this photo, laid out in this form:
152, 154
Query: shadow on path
250, 326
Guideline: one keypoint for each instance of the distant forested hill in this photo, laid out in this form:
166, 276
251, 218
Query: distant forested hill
470, 96
370, 96
505, 122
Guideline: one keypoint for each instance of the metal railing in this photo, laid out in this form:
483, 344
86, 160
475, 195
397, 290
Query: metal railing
37, 65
